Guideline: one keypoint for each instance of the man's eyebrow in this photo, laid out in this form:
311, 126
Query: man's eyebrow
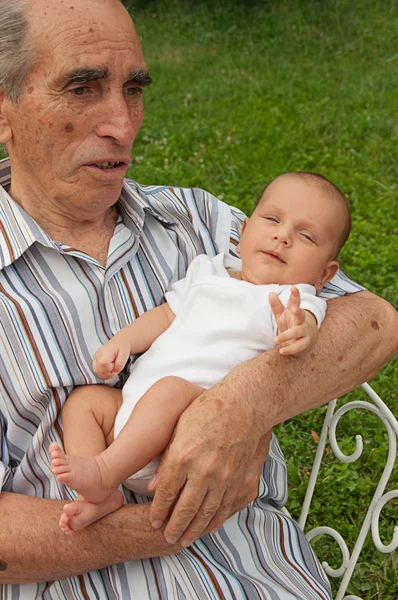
81, 75
141, 77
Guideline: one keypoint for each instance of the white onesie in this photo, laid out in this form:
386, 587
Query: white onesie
220, 322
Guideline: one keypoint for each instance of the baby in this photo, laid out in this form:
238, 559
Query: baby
224, 311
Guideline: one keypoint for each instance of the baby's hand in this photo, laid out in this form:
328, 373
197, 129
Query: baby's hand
297, 328
110, 359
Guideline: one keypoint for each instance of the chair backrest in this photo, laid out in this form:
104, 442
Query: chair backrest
379, 500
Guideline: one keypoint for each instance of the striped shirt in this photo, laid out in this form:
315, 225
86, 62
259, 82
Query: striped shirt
57, 307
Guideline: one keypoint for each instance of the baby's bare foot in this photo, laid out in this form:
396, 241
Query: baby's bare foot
80, 513
85, 474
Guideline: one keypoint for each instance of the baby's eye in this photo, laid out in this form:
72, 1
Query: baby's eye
307, 237
274, 219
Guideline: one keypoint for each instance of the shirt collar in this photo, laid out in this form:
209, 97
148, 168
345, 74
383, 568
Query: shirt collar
18, 230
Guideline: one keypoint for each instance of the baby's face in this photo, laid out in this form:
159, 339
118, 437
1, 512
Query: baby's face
291, 236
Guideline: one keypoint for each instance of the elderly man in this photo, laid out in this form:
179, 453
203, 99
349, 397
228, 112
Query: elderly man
83, 253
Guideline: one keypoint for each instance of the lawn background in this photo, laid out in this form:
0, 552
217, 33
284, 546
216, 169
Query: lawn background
244, 91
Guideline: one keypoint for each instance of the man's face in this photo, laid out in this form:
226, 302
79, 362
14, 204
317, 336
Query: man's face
71, 136
291, 235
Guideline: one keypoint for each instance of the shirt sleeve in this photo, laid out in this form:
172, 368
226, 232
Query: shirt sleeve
339, 286
308, 301
6, 473
237, 218
224, 222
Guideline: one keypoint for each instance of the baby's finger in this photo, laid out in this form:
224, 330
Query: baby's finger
120, 360
276, 305
104, 371
294, 299
298, 315
290, 334
295, 348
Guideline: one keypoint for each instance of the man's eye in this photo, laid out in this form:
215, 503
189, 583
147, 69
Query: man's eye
134, 91
79, 91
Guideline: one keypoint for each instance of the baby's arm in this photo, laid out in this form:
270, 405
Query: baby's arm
297, 328
137, 337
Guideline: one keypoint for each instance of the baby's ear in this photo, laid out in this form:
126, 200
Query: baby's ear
327, 274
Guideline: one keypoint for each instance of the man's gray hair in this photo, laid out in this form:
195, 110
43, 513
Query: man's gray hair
16, 53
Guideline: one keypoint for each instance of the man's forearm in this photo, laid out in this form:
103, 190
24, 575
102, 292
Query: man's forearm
34, 549
358, 336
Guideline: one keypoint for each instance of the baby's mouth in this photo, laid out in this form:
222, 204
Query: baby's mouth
275, 256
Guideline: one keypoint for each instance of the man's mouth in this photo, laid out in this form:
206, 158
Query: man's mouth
108, 165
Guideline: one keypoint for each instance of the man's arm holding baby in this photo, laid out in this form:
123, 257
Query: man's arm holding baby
224, 425
36, 520
31, 542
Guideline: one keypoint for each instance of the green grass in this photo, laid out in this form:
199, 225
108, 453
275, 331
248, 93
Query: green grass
246, 90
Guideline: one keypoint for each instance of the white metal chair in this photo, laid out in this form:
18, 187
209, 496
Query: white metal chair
379, 500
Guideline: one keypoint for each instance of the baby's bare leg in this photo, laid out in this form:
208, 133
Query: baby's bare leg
88, 419
145, 436
150, 426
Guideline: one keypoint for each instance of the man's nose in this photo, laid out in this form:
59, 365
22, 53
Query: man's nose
120, 120
283, 235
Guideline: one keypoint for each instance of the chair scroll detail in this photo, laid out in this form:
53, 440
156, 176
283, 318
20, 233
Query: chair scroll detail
379, 500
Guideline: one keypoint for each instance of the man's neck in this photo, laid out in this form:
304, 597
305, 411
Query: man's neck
89, 233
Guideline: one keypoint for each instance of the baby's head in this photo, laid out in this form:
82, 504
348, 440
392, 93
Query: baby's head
295, 232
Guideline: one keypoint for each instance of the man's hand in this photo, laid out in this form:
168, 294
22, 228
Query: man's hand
211, 468
110, 359
297, 328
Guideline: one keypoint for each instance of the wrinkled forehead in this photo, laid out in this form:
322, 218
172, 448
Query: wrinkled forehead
78, 29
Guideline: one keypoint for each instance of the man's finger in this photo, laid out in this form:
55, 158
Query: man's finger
248, 489
224, 512
166, 494
185, 510
209, 508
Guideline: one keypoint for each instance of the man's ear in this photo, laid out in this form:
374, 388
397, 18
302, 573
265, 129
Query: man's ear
327, 274
241, 233
5, 127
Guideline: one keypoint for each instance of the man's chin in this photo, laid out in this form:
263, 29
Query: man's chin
108, 191
113, 185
